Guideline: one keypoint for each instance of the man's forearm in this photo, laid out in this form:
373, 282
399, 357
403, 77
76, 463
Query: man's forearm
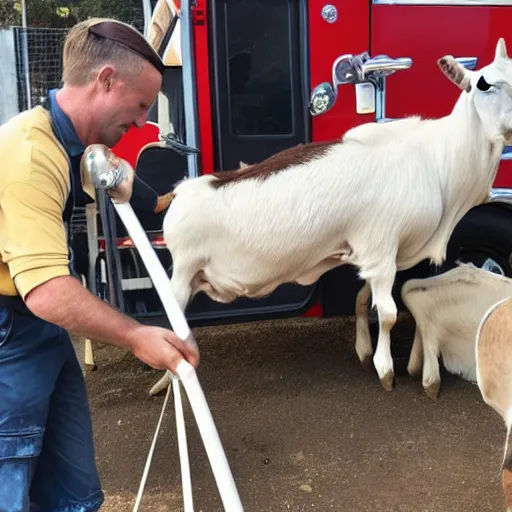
65, 302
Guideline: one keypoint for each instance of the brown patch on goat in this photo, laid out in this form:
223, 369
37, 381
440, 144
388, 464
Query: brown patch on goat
163, 202
296, 155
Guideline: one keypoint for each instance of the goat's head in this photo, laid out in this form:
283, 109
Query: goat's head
490, 89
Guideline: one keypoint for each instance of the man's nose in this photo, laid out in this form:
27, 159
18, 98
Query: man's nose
141, 120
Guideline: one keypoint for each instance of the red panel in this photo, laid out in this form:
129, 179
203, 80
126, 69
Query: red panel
314, 311
134, 140
327, 41
504, 177
202, 70
426, 33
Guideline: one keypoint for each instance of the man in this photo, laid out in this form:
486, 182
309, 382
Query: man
111, 76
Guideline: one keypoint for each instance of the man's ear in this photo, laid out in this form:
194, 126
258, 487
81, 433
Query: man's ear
105, 77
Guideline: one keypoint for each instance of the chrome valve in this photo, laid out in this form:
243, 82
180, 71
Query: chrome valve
101, 169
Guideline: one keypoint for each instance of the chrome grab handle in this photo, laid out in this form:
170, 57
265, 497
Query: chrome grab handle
506, 155
467, 62
382, 65
354, 69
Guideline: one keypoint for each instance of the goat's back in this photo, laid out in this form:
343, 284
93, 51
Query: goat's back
459, 296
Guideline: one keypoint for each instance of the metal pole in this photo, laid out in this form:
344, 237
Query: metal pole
146, 8
114, 273
189, 86
25, 52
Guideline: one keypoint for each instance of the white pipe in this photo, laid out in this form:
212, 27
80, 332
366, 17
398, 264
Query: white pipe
186, 372
188, 502
155, 269
211, 440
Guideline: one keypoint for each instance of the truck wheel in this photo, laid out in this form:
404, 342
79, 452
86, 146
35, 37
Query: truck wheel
484, 237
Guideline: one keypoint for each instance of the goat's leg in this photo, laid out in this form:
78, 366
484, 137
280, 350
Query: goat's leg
89, 355
416, 358
381, 287
182, 290
88, 352
431, 375
364, 348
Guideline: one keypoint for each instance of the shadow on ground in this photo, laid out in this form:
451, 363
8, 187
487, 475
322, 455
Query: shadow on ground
303, 426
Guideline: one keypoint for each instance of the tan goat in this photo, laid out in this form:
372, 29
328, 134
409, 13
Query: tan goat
494, 376
447, 309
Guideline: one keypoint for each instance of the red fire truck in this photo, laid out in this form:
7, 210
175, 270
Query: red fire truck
248, 78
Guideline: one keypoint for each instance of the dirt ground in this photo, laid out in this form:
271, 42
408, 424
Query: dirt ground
304, 428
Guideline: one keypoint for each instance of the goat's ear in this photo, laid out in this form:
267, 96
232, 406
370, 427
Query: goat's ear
501, 49
455, 72
243, 165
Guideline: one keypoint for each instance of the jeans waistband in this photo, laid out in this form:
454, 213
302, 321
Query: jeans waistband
15, 303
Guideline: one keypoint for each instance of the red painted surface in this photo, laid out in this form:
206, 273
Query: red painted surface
134, 140
156, 241
423, 33
203, 80
315, 311
426, 33
350, 33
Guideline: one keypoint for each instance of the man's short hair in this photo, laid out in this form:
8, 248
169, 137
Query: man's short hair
93, 43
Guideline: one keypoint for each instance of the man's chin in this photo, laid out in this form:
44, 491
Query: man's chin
111, 141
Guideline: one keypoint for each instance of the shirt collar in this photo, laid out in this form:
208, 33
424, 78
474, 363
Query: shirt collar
64, 128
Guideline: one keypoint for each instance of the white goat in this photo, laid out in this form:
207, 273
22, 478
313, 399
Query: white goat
494, 376
447, 309
383, 198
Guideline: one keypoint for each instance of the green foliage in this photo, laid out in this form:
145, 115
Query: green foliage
9, 14
65, 13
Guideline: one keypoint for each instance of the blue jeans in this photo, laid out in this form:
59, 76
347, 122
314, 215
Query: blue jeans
46, 445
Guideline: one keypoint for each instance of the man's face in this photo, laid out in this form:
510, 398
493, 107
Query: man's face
123, 102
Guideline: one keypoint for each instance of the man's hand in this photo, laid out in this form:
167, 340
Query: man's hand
162, 349
65, 302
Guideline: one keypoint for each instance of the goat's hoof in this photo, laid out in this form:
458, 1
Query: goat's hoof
367, 363
414, 371
162, 384
388, 381
432, 391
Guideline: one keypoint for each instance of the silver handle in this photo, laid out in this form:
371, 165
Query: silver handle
353, 69
467, 62
506, 155
382, 65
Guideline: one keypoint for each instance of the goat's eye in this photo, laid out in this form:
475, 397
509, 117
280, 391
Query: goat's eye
483, 85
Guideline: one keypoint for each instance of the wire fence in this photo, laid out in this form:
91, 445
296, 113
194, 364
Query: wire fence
44, 52
44, 49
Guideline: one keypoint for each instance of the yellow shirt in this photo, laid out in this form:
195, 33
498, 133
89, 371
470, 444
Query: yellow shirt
34, 187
